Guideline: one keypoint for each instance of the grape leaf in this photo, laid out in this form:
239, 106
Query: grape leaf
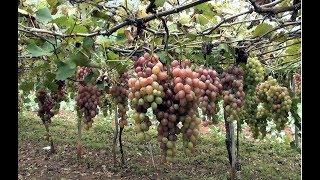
65, 70
63, 21
201, 19
121, 35
77, 29
112, 56
88, 44
37, 51
80, 59
261, 29
90, 78
26, 86
51, 86
43, 15
52, 2
159, 3
163, 56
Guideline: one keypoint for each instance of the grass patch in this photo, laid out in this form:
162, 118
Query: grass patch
259, 160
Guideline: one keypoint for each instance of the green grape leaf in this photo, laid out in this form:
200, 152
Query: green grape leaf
201, 19
88, 43
121, 35
65, 70
261, 29
63, 21
92, 77
159, 3
26, 86
80, 59
77, 29
112, 56
49, 82
51, 86
52, 2
38, 51
43, 15
163, 56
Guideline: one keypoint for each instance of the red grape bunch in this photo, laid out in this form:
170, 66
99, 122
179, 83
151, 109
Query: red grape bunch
58, 96
145, 92
297, 82
233, 94
119, 91
209, 95
168, 119
83, 72
45, 111
186, 85
88, 99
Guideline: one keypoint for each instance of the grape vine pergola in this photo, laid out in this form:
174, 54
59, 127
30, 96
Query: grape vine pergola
56, 37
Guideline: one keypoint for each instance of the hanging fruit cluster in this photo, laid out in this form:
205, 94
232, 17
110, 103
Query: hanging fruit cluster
88, 98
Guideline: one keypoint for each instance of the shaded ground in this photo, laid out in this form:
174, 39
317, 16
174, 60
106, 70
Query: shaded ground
259, 160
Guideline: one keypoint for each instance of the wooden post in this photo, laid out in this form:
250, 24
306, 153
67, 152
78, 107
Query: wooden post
115, 136
233, 157
120, 144
230, 146
52, 149
296, 138
79, 147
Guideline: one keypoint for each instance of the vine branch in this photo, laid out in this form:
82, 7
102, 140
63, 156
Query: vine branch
210, 30
279, 48
276, 10
116, 27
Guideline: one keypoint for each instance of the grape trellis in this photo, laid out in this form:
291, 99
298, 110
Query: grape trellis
177, 58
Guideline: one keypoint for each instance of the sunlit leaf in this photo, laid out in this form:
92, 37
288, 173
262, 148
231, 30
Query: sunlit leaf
112, 56
159, 3
261, 29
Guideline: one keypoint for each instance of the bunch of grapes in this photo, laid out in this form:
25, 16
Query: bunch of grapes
87, 102
58, 96
254, 74
88, 98
45, 111
186, 85
209, 95
233, 94
83, 72
259, 122
166, 114
145, 92
297, 82
120, 93
276, 100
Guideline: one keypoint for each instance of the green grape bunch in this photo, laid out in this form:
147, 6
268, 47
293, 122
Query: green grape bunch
254, 74
276, 100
